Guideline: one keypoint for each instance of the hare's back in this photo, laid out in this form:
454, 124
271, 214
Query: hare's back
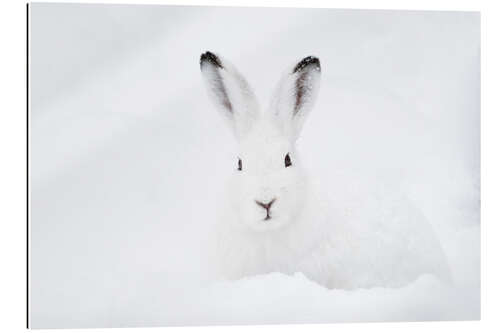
379, 238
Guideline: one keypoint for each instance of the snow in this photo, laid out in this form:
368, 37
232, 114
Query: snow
128, 157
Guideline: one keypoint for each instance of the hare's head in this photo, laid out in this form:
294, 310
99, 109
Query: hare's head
269, 187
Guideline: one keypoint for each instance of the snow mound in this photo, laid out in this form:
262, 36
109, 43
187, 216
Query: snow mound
277, 298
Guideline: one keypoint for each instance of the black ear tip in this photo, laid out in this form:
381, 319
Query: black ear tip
209, 57
306, 62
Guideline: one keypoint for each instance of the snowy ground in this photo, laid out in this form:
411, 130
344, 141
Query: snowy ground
127, 156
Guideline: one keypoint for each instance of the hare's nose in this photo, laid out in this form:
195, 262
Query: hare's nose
267, 205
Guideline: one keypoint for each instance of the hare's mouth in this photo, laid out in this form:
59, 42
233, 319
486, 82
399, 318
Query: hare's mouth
268, 216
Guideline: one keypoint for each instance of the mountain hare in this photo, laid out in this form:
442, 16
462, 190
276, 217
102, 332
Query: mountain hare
275, 220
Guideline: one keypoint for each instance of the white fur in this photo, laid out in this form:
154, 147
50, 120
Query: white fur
327, 240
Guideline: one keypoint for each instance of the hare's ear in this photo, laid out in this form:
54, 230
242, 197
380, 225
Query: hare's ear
295, 95
230, 93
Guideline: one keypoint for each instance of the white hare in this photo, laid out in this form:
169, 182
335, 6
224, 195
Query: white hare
275, 220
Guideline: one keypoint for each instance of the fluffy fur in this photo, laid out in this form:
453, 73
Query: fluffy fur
301, 232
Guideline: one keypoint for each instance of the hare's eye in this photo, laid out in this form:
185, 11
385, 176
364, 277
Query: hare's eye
239, 164
288, 161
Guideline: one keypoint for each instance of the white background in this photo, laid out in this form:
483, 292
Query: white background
128, 156
485, 187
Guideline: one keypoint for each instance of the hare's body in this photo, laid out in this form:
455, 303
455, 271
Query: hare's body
274, 219
336, 246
